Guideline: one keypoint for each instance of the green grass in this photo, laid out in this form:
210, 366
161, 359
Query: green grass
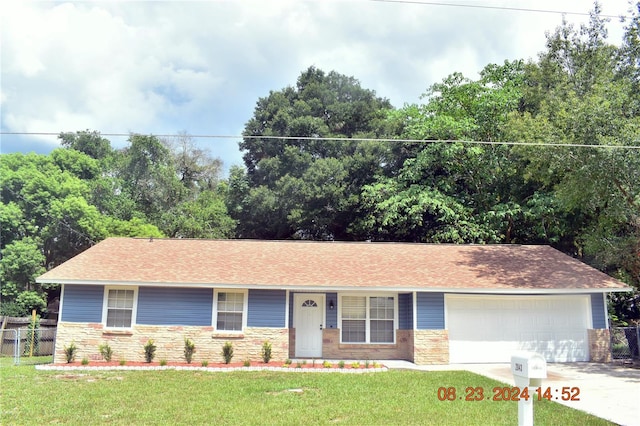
190, 397
25, 360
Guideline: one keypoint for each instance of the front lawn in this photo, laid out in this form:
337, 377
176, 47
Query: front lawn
29, 396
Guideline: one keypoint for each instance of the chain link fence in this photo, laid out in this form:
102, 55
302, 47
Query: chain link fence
624, 343
35, 344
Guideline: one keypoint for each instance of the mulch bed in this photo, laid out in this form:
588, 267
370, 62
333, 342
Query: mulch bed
234, 366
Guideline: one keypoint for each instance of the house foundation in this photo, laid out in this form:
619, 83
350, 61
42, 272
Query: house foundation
128, 345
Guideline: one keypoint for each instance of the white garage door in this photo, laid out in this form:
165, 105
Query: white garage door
491, 328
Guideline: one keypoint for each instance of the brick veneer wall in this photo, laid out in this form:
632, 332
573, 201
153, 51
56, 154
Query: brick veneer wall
333, 349
129, 345
599, 345
431, 347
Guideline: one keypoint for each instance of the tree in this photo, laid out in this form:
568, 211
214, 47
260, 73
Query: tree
305, 185
579, 94
147, 174
46, 219
88, 142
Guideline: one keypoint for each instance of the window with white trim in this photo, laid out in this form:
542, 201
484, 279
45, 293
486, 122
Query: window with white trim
230, 310
119, 310
368, 319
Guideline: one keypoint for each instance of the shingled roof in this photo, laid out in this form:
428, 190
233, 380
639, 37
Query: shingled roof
331, 266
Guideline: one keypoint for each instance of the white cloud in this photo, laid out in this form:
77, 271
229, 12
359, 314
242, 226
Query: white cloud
161, 67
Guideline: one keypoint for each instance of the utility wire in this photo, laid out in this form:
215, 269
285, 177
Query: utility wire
480, 6
343, 139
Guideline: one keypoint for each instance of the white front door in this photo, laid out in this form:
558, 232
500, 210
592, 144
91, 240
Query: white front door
308, 320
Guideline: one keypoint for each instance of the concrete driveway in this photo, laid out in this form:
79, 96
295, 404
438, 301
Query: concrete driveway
606, 390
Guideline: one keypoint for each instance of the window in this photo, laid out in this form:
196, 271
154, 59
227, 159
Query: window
119, 309
368, 319
230, 311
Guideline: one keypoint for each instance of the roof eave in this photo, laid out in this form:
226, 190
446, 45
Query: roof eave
310, 288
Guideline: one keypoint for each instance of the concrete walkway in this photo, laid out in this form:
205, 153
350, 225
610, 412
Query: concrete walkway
606, 390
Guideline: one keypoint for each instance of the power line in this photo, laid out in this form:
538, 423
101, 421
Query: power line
343, 139
479, 6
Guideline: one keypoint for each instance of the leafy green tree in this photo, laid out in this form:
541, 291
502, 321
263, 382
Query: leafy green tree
148, 177
297, 185
578, 94
88, 142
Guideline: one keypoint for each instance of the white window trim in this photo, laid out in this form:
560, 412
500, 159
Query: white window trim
367, 296
245, 304
105, 306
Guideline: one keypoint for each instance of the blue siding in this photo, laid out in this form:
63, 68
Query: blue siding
266, 308
597, 311
82, 303
174, 306
430, 307
405, 311
332, 314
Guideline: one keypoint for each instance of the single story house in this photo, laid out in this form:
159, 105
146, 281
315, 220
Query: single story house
426, 303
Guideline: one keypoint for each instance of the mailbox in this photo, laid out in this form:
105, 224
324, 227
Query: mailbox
528, 369
528, 365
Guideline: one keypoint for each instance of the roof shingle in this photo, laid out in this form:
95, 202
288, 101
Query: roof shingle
330, 265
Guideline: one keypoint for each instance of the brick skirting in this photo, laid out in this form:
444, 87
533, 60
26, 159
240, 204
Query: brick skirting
129, 344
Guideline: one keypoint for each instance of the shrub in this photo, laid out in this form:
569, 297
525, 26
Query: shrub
227, 352
287, 361
366, 363
246, 363
204, 363
189, 350
341, 364
122, 362
85, 361
355, 364
149, 351
105, 351
326, 364
163, 362
70, 352
266, 352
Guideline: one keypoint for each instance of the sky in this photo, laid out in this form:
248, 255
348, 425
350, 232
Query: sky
199, 67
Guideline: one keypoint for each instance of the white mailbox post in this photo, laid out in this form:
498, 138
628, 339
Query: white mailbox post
528, 369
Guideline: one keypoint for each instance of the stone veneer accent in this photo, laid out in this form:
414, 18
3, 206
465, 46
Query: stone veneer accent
431, 347
333, 349
599, 345
129, 344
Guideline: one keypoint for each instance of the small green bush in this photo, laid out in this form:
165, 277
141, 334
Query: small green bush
85, 361
204, 363
366, 363
122, 362
70, 352
189, 350
246, 363
287, 361
341, 364
105, 351
163, 362
265, 353
227, 352
149, 350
